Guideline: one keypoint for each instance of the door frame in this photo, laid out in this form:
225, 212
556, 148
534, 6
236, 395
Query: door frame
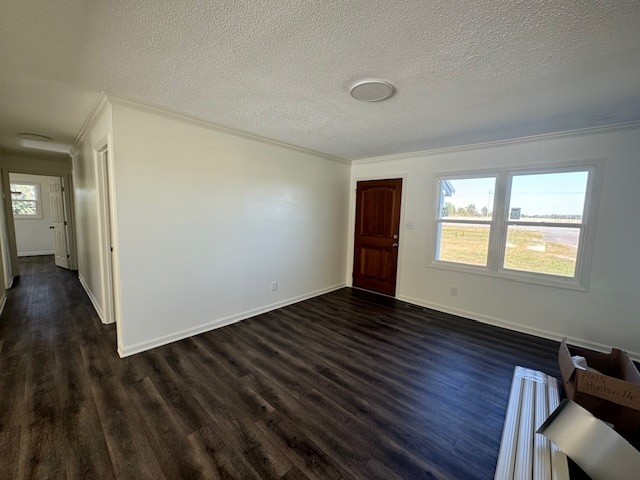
107, 234
352, 225
67, 198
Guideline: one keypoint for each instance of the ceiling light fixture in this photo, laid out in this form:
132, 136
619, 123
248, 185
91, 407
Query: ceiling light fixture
36, 141
34, 136
372, 91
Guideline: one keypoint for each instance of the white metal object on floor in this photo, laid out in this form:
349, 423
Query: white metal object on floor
599, 450
525, 455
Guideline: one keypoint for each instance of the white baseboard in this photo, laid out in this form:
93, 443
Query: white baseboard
3, 302
37, 253
498, 322
125, 351
94, 302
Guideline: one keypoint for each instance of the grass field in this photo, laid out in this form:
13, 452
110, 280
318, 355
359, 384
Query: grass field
526, 250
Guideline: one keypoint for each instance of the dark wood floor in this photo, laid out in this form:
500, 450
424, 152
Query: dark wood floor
346, 385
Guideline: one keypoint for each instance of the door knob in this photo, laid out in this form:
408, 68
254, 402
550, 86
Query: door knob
395, 237
394, 245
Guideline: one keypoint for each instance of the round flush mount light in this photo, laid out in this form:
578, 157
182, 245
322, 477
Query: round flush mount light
34, 136
372, 91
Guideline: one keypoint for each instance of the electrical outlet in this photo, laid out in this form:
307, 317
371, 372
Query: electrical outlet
274, 286
409, 225
453, 290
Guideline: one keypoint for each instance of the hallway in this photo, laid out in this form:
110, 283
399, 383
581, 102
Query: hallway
53, 349
345, 385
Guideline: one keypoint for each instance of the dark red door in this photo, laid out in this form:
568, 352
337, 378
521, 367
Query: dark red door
375, 259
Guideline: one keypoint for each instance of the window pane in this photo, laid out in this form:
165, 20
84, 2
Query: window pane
23, 192
467, 197
462, 243
24, 207
550, 197
549, 250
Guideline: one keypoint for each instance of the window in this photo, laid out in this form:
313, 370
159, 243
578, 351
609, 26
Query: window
25, 200
531, 225
464, 221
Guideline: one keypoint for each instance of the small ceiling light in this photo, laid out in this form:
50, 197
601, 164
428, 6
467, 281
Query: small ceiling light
372, 91
36, 141
35, 136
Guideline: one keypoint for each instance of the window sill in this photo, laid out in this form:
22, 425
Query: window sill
531, 278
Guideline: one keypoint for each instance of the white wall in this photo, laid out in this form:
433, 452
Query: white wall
206, 220
608, 314
33, 236
90, 269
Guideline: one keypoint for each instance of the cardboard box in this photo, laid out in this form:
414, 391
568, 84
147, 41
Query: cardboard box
609, 389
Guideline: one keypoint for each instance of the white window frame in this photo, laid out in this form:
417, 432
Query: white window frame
39, 214
500, 221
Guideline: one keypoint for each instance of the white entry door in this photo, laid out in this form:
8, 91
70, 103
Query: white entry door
59, 226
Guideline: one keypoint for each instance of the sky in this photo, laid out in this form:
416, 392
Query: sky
540, 194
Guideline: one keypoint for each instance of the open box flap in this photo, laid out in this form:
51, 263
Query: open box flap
612, 389
567, 367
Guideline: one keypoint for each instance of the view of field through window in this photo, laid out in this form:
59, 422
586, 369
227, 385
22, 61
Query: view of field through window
543, 221
24, 199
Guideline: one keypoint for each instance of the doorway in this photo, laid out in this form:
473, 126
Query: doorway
377, 230
41, 217
107, 266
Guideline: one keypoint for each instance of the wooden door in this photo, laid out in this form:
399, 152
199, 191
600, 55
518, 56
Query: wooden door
59, 225
375, 259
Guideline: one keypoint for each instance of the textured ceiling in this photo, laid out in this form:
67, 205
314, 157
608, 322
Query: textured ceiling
465, 72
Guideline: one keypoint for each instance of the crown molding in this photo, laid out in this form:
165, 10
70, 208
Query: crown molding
106, 99
114, 99
98, 109
501, 143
